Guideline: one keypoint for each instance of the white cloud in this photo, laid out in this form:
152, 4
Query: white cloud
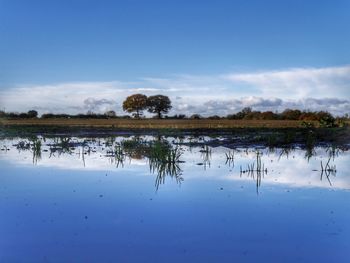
224, 107
299, 82
304, 88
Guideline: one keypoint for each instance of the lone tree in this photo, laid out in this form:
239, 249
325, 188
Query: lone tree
135, 103
158, 104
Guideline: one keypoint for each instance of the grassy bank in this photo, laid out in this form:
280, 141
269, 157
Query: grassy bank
158, 124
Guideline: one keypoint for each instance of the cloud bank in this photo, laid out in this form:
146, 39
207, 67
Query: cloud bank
303, 88
299, 82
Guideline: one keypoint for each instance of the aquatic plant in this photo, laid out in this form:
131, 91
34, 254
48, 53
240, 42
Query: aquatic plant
206, 156
163, 170
230, 158
256, 168
333, 151
136, 148
119, 155
36, 148
272, 140
328, 170
310, 145
164, 161
251, 168
23, 146
285, 151
163, 152
61, 145
109, 142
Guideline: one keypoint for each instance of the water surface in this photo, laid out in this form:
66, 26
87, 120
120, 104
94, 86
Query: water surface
166, 199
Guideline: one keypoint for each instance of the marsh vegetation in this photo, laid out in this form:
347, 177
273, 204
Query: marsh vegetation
167, 156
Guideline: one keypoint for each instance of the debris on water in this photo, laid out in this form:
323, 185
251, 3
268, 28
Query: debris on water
86, 217
151, 199
101, 195
221, 188
106, 174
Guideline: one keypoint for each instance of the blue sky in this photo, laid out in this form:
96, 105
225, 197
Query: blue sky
163, 46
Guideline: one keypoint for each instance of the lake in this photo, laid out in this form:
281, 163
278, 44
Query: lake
171, 199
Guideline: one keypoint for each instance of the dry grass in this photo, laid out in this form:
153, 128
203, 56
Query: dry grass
157, 124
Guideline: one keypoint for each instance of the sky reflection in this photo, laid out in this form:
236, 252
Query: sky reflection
290, 167
140, 199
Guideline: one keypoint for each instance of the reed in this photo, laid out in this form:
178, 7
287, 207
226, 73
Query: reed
36, 148
328, 170
206, 156
256, 168
230, 156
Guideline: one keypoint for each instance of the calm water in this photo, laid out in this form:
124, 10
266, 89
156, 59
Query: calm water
146, 199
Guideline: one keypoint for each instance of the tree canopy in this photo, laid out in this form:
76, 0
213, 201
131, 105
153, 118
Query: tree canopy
158, 104
135, 103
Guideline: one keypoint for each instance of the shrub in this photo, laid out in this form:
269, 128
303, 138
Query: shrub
290, 114
214, 117
326, 119
32, 114
196, 116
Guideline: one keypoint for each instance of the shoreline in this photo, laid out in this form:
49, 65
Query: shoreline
231, 132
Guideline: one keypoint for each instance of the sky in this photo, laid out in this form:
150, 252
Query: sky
209, 57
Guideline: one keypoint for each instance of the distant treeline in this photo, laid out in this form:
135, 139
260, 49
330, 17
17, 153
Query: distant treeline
325, 118
160, 105
34, 114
